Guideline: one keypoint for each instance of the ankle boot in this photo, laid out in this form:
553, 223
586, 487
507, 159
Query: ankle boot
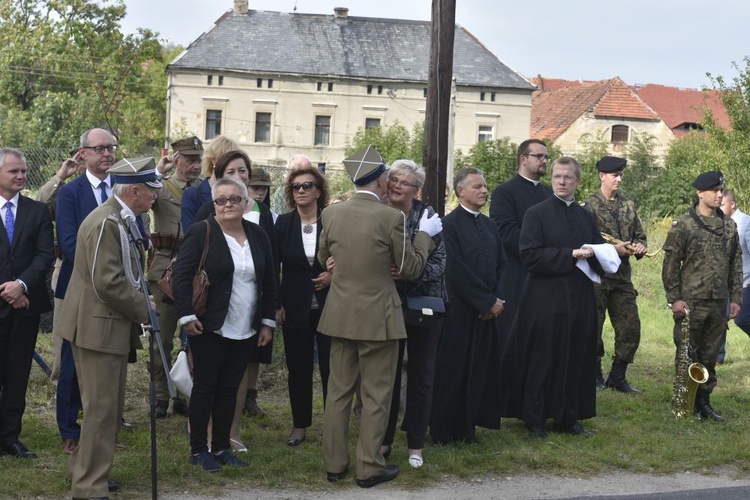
599, 375
251, 404
703, 403
617, 381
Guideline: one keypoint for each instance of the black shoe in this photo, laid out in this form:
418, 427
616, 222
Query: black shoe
16, 450
617, 381
160, 411
206, 460
537, 431
390, 472
295, 441
335, 476
180, 407
576, 429
226, 457
599, 376
704, 409
112, 485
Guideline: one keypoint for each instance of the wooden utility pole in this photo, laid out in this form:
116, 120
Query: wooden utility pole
437, 111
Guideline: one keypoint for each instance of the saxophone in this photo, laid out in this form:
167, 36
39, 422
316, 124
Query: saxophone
630, 248
688, 375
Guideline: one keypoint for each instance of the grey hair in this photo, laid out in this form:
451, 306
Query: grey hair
84, 142
10, 151
298, 160
567, 160
119, 189
408, 167
460, 179
229, 181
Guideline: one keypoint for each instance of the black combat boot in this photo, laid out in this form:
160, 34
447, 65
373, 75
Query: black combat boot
703, 407
617, 381
599, 375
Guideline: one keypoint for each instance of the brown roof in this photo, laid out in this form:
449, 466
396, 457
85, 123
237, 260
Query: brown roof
678, 106
554, 111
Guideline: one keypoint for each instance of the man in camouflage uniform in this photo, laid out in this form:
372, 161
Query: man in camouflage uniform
186, 162
702, 271
616, 216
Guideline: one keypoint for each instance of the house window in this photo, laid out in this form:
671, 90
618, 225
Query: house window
270, 83
213, 123
221, 80
380, 89
492, 97
259, 83
330, 86
320, 86
262, 127
210, 80
424, 93
371, 123
369, 89
620, 133
481, 96
486, 133
322, 130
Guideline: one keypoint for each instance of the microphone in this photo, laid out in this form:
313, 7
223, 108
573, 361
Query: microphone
135, 234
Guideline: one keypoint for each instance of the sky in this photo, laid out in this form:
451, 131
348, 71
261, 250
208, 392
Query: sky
668, 42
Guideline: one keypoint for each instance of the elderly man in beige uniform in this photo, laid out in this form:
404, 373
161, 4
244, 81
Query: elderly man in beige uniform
362, 314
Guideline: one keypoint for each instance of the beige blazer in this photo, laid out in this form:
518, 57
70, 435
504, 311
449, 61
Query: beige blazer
101, 310
365, 237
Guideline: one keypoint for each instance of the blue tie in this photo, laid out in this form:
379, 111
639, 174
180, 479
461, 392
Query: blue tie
10, 221
103, 187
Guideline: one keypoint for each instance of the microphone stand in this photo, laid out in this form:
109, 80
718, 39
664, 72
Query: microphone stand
154, 337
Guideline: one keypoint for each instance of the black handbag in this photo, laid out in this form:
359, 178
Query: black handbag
423, 311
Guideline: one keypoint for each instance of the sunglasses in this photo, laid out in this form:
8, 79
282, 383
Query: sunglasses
305, 186
234, 200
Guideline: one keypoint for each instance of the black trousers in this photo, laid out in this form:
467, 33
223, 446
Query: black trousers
17, 341
299, 349
420, 376
218, 367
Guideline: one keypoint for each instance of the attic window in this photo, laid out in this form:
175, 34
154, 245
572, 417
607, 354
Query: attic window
380, 89
689, 126
259, 83
492, 97
481, 96
369, 89
330, 86
270, 83
424, 93
320, 86
221, 80
209, 80
620, 134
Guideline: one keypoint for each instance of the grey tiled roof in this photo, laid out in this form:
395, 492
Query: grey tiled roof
357, 47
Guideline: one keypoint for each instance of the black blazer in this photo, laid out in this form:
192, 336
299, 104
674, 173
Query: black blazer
296, 286
220, 268
31, 256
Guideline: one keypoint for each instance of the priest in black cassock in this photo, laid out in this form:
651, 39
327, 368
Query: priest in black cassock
474, 263
550, 358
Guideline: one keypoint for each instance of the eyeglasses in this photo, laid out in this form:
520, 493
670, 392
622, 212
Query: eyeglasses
111, 148
234, 200
566, 178
539, 156
305, 186
400, 183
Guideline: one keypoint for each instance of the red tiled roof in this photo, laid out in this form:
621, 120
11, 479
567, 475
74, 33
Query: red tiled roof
554, 111
677, 106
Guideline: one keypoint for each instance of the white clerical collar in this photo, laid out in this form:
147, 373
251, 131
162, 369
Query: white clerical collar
472, 212
95, 181
568, 203
536, 183
368, 192
124, 206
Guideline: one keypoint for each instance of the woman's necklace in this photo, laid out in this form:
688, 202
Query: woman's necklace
307, 227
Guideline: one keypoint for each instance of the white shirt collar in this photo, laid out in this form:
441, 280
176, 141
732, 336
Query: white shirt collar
13, 200
95, 180
530, 180
568, 203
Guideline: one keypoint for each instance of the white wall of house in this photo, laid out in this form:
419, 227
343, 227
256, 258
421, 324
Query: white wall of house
588, 125
299, 105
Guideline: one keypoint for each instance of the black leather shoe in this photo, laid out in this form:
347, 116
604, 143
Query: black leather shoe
112, 485
335, 476
180, 407
16, 450
537, 431
390, 472
160, 411
576, 429
295, 441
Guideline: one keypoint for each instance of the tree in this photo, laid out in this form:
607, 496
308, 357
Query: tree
496, 159
393, 143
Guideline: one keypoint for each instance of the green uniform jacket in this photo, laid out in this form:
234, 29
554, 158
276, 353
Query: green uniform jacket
166, 213
702, 263
619, 219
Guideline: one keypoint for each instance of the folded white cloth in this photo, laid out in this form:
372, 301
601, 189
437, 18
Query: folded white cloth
607, 257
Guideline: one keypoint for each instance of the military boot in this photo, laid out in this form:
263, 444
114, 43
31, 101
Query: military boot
599, 375
251, 404
703, 404
617, 381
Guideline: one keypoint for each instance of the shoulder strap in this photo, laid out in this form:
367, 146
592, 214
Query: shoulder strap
204, 255
175, 190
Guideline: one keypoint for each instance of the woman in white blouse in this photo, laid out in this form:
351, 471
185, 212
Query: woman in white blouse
240, 312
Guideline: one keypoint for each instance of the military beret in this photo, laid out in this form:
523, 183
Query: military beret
188, 146
611, 164
708, 180
259, 177
136, 171
365, 166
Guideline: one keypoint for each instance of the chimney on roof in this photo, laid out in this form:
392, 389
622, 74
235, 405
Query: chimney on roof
240, 7
341, 12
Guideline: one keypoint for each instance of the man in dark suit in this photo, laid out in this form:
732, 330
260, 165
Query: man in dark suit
103, 317
26, 254
363, 313
75, 201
